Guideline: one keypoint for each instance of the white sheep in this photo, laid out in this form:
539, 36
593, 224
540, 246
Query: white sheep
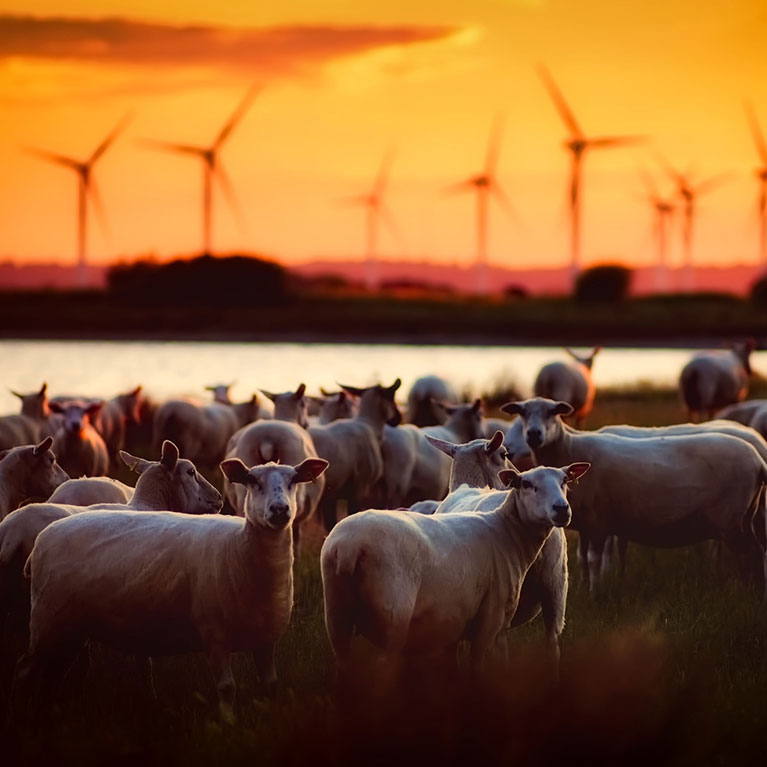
290, 406
163, 583
421, 410
742, 412
280, 442
352, 446
172, 484
714, 379
220, 392
335, 405
113, 416
412, 583
27, 471
474, 486
30, 425
660, 491
89, 490
202, 431
79, 448
571, 383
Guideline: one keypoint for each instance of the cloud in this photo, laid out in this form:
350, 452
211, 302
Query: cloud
267, 51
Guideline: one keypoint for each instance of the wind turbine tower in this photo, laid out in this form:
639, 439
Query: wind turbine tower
761, 174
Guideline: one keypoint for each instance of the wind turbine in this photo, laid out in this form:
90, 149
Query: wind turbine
577, 145
376, 210
212, 167
485, 184
688, 193
86, 188
663, 210
761, 174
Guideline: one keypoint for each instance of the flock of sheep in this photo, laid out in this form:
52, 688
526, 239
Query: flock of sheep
452, 529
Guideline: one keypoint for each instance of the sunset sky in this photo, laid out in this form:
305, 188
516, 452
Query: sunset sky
343, 81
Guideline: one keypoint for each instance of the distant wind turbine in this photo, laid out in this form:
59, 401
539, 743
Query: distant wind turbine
688, 194
86, 188
212, 167
376, 211
485, 184
761, 174
663, 210
577, 145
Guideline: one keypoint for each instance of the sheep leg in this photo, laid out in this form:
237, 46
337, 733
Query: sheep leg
553, 606
486, 636
221, 664
263, 657
328, 512
596, 549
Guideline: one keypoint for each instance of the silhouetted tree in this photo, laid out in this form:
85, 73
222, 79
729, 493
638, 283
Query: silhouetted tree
231, 281
758, 293
603, 284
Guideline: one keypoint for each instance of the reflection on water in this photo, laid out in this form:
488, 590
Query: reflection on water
170, 368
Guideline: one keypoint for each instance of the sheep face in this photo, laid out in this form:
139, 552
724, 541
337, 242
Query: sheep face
540, 417
270, 499
542, 492
77, 415
487, 454
466, 420
37, 464
191, 492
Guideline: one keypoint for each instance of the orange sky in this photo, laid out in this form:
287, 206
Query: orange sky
345, 80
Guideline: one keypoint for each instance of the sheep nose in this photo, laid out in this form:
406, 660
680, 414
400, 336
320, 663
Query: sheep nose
534, 438
279, 512
561, 513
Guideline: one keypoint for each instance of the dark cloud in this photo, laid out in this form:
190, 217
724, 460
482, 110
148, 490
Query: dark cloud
288, 49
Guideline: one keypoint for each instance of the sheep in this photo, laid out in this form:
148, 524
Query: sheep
281, 442
79, 447
336, 405
28, 426
714, 379
421, 410
352, 446
290, 406
202, 431
172, 484
570, 383
415, 584
89, 490
163, 583
27, 471
474, 487
112, 418
221, 392
660, 491
742, 412
429, 477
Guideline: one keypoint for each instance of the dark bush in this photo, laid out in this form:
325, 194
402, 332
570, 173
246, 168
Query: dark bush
603, 284
231, 281
758, 293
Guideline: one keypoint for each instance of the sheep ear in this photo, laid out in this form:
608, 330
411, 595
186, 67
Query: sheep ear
136, 391
513, 408
44, 446
300, 391
324, 392
510, 478
235, 471
55, 407
254, 399
494, 443
575, 471
268, 394
353, 390
139, 465
169, 455
448, 448
309, 469
16, 394
561, 408
393, 388
43, 390
94, 409
476, 406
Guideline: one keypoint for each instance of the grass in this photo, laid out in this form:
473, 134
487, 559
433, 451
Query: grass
667, 664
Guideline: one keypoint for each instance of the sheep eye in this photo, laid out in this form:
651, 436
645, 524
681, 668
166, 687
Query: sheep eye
526, 485
191, 472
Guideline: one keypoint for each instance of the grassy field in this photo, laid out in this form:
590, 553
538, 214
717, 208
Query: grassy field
666, 664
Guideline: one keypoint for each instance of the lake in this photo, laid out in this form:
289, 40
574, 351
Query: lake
166, 369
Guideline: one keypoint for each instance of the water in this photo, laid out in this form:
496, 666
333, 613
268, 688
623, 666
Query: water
167, 369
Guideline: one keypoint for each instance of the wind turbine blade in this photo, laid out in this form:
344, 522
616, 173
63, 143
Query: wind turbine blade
388, 218
462, 186
105, 144
167, 146
704, 187
503, 200
98, 207
58, 159
756, 132
672, 172
494, 146
382, 178
226, 187
236, 117
559, 102
608, 142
